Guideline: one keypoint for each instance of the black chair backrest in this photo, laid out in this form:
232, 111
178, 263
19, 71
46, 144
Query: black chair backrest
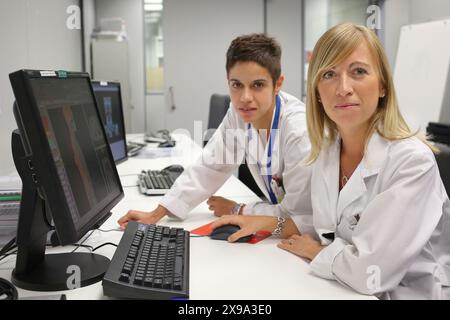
218, 107
443, 161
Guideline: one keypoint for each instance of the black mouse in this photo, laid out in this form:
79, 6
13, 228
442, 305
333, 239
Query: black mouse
223, 232
176, 168
167, 144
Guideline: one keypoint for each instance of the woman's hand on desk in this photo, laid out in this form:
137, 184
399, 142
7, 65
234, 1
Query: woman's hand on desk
221, 206
302, 245
143, 216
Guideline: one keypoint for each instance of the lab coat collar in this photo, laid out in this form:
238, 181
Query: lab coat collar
376, 153
370, 165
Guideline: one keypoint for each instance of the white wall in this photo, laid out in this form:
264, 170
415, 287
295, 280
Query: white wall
424, 11
285, 24
197, 34
132, 12
34, 36
317, 21
403, 12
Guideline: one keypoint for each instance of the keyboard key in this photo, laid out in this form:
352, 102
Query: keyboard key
167, 283
148, 281
178, 266
124, 277
157, 283
177, 286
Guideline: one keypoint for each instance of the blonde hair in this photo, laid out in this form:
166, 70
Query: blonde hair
333, 47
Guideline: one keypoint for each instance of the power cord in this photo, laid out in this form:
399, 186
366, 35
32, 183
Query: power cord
82, 242
8, 254
110, 230
105, 244
7, 247
7, 290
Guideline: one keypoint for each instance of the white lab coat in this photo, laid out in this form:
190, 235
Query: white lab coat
291, 146
391, 221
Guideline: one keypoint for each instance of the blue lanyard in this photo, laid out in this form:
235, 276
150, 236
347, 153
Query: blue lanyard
272, 135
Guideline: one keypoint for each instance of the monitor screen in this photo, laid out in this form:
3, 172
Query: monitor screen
68, 174
109, 102
74, 169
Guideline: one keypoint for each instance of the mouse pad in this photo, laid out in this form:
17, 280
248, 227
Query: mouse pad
206, 230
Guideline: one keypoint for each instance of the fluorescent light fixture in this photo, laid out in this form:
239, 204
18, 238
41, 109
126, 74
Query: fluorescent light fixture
153, 7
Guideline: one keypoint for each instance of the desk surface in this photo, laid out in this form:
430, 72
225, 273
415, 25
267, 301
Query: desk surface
218, 269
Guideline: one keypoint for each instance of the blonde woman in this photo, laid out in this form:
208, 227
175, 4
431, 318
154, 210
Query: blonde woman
381, 216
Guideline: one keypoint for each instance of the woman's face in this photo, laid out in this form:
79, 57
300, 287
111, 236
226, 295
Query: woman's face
350, 91
253, 93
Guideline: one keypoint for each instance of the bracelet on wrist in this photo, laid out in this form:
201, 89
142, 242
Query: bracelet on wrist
279, 227
236, 210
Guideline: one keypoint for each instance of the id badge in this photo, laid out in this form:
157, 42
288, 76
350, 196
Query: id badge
278, 188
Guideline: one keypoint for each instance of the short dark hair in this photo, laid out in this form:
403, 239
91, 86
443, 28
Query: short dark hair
256, 47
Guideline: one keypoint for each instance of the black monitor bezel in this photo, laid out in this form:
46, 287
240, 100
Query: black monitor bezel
36, 145
115, 83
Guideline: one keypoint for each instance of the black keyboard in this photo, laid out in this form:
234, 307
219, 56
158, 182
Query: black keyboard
153, 182
151, 262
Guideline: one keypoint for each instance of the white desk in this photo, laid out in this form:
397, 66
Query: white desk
218, 269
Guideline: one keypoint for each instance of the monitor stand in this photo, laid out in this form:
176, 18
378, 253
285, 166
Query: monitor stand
34, 269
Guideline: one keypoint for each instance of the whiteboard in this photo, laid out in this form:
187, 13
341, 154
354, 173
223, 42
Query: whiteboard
421, 74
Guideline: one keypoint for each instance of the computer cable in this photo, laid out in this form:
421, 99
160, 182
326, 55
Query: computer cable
8, 254
7, 290
110, 230
7, 247
105, 244
82, 242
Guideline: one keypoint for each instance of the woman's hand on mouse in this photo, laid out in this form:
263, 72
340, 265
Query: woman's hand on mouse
221, 206
143, 216
248, 224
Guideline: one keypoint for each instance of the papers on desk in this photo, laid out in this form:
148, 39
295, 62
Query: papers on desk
153, 153
10, 189
11, 183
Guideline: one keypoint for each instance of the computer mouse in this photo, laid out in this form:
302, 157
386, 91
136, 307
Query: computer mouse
174, 168
223, 232
167, 144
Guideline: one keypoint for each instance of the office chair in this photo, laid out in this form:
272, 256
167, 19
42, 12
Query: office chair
218, 107
443, 162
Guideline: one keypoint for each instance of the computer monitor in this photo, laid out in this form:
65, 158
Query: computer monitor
109, 102
68, 175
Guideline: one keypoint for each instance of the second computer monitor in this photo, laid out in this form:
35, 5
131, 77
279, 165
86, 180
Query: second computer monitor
109, 102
